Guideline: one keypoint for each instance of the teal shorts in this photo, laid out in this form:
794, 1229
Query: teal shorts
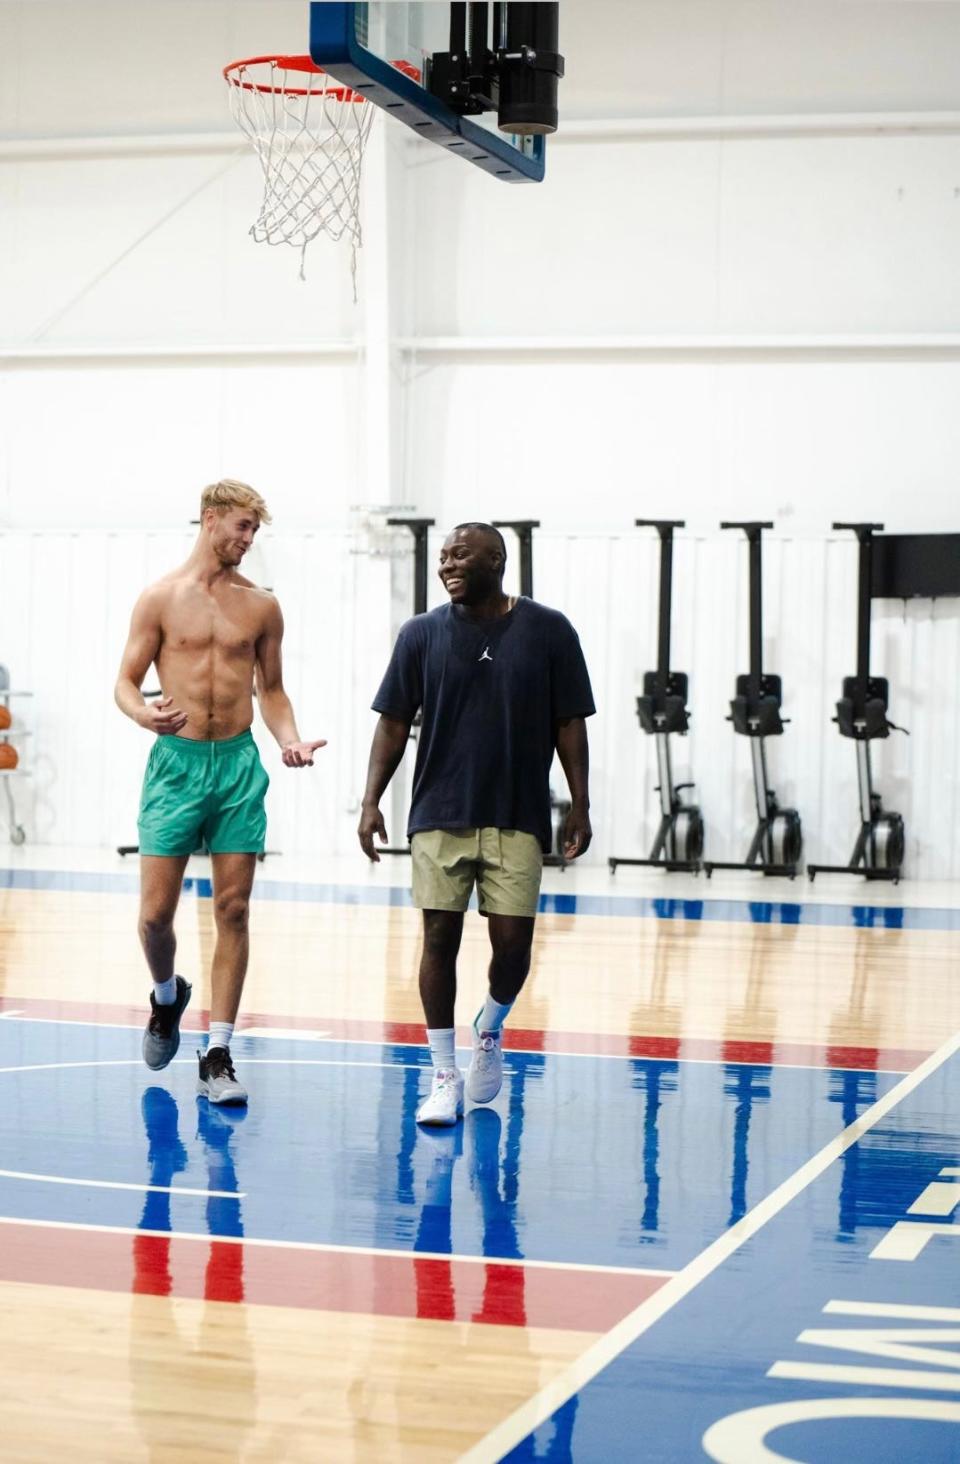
203, 795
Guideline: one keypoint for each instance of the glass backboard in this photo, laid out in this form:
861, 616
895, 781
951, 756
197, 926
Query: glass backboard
383, 50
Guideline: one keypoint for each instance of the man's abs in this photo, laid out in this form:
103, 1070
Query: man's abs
207, 659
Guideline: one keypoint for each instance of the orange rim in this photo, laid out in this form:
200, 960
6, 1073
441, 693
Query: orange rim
233, 73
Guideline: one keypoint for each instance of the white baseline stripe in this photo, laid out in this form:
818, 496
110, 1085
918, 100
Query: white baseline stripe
530, 1415
112, 1184
41, 1067
5, 1016
345, 1250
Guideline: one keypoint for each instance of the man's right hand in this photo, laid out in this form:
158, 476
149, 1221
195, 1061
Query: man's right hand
162, 717
371, 822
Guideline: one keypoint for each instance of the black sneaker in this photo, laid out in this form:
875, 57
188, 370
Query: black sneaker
217, 1080
162, 1037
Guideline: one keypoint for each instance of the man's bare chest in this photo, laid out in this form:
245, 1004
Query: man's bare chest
228, 625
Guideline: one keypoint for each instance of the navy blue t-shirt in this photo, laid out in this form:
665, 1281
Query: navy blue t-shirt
491, 693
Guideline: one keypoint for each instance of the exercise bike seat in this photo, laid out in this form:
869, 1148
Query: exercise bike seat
862, 723
672, 716
758, 717
864, 718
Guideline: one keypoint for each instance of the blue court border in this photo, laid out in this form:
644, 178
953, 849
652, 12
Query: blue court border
644, 907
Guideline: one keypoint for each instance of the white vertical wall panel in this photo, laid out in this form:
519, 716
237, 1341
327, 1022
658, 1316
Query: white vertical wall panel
111, 447
155, 249
587, 443
644, 237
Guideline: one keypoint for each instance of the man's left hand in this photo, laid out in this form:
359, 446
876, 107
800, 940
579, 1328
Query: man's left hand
300, 754
577, 833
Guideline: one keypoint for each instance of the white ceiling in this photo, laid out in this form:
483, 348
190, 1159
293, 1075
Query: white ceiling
91, 67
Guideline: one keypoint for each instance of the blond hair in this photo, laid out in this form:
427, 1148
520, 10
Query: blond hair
231, 493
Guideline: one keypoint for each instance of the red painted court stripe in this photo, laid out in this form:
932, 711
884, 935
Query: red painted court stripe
517, 1039
398, 1286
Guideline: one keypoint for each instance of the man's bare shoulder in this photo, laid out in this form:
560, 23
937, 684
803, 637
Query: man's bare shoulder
261, 594
156, 597
265, 601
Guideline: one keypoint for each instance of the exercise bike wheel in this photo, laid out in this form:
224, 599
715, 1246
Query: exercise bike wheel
688, 835
786, 837
887, 840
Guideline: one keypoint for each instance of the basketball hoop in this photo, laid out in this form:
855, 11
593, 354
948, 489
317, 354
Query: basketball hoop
309, 133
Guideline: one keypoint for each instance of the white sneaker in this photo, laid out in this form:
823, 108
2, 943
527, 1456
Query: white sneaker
485, 1073
444, 1103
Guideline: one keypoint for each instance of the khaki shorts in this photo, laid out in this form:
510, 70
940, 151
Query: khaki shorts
505, 865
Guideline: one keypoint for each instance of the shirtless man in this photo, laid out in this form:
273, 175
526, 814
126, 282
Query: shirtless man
212, 634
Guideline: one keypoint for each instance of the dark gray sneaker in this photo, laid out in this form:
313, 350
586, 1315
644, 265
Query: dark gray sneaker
162, 1037
217, 1080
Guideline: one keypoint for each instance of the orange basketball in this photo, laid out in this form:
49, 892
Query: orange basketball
8, 756
4, 717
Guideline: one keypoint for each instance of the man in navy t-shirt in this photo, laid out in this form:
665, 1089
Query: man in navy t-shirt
500, 684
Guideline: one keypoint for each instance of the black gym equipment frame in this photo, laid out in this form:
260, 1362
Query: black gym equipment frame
559, 807
419, 528
515, 71
662, 710
862, 715
755, 713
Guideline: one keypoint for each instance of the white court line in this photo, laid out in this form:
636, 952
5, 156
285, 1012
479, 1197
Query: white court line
5, 1016
530, 1415
346, 1250
291, 1034
42, 1067
112, 1184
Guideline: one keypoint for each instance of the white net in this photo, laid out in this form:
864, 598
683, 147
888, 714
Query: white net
309, 134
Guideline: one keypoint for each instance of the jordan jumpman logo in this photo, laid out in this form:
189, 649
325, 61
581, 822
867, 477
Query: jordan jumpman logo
486, 654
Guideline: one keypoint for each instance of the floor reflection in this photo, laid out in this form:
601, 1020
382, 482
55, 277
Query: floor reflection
218, 1355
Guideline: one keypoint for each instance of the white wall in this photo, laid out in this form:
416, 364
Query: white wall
723, 303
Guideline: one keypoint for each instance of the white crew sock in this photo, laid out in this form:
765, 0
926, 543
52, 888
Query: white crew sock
442, 1042
219, 1035
492, 1015
165, 992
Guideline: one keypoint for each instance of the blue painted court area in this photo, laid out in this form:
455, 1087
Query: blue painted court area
751, 912
839, 1321
589, 1160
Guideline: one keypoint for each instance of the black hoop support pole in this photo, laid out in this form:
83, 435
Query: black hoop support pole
419, 528
523, 528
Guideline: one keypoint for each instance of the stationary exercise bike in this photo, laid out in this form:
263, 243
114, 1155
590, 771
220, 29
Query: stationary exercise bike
755, 713
662, 711
862, 715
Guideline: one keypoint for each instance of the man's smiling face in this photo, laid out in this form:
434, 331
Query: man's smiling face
471, 566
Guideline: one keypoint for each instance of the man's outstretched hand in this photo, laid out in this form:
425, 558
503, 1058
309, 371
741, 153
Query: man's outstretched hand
371, 822
300, 754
